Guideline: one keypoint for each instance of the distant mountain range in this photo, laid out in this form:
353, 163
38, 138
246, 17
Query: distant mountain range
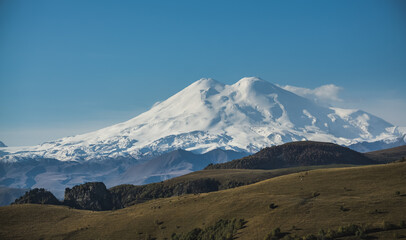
207, 122
56, 175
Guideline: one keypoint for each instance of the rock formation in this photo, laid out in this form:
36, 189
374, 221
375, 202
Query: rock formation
38, 196
90, 196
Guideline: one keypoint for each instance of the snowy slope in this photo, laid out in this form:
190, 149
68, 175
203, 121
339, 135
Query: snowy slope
246, 116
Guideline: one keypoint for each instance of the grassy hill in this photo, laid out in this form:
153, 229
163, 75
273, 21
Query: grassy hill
198, 182
373, 197
388, 155
303, 153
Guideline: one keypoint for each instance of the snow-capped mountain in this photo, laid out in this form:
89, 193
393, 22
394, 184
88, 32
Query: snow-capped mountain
207, 122
245, 117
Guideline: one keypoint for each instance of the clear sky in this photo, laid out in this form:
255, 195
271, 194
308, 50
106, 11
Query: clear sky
68, 67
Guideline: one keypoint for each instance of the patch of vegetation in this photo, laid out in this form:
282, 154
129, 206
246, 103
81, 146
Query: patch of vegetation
273, 206
222, 230
157, 222
350, 230
315, 194
344, 209
275, 234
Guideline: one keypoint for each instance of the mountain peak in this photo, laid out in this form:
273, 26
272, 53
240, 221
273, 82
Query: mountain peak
206, 83
248, 80
258, 85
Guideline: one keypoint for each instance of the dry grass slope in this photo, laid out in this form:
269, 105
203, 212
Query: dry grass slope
303, 203
388, 155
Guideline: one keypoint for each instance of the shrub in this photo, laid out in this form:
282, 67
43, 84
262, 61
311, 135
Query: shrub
309, 237
221, 230
331, 234
322, 233
149, 237
273, 206
157, 222
388, 226
275, 234
360, 233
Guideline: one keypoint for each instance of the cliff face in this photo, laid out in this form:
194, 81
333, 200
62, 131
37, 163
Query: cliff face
38, 196
90, 196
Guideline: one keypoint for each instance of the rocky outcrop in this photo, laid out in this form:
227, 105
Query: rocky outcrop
127, 195
90, 196
38, 196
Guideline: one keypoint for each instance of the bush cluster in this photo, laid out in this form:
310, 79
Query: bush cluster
221, 230
275, 234
358, 231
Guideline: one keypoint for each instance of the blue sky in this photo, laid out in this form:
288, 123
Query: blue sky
68, 67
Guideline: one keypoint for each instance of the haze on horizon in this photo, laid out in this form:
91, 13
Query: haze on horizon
71, 67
